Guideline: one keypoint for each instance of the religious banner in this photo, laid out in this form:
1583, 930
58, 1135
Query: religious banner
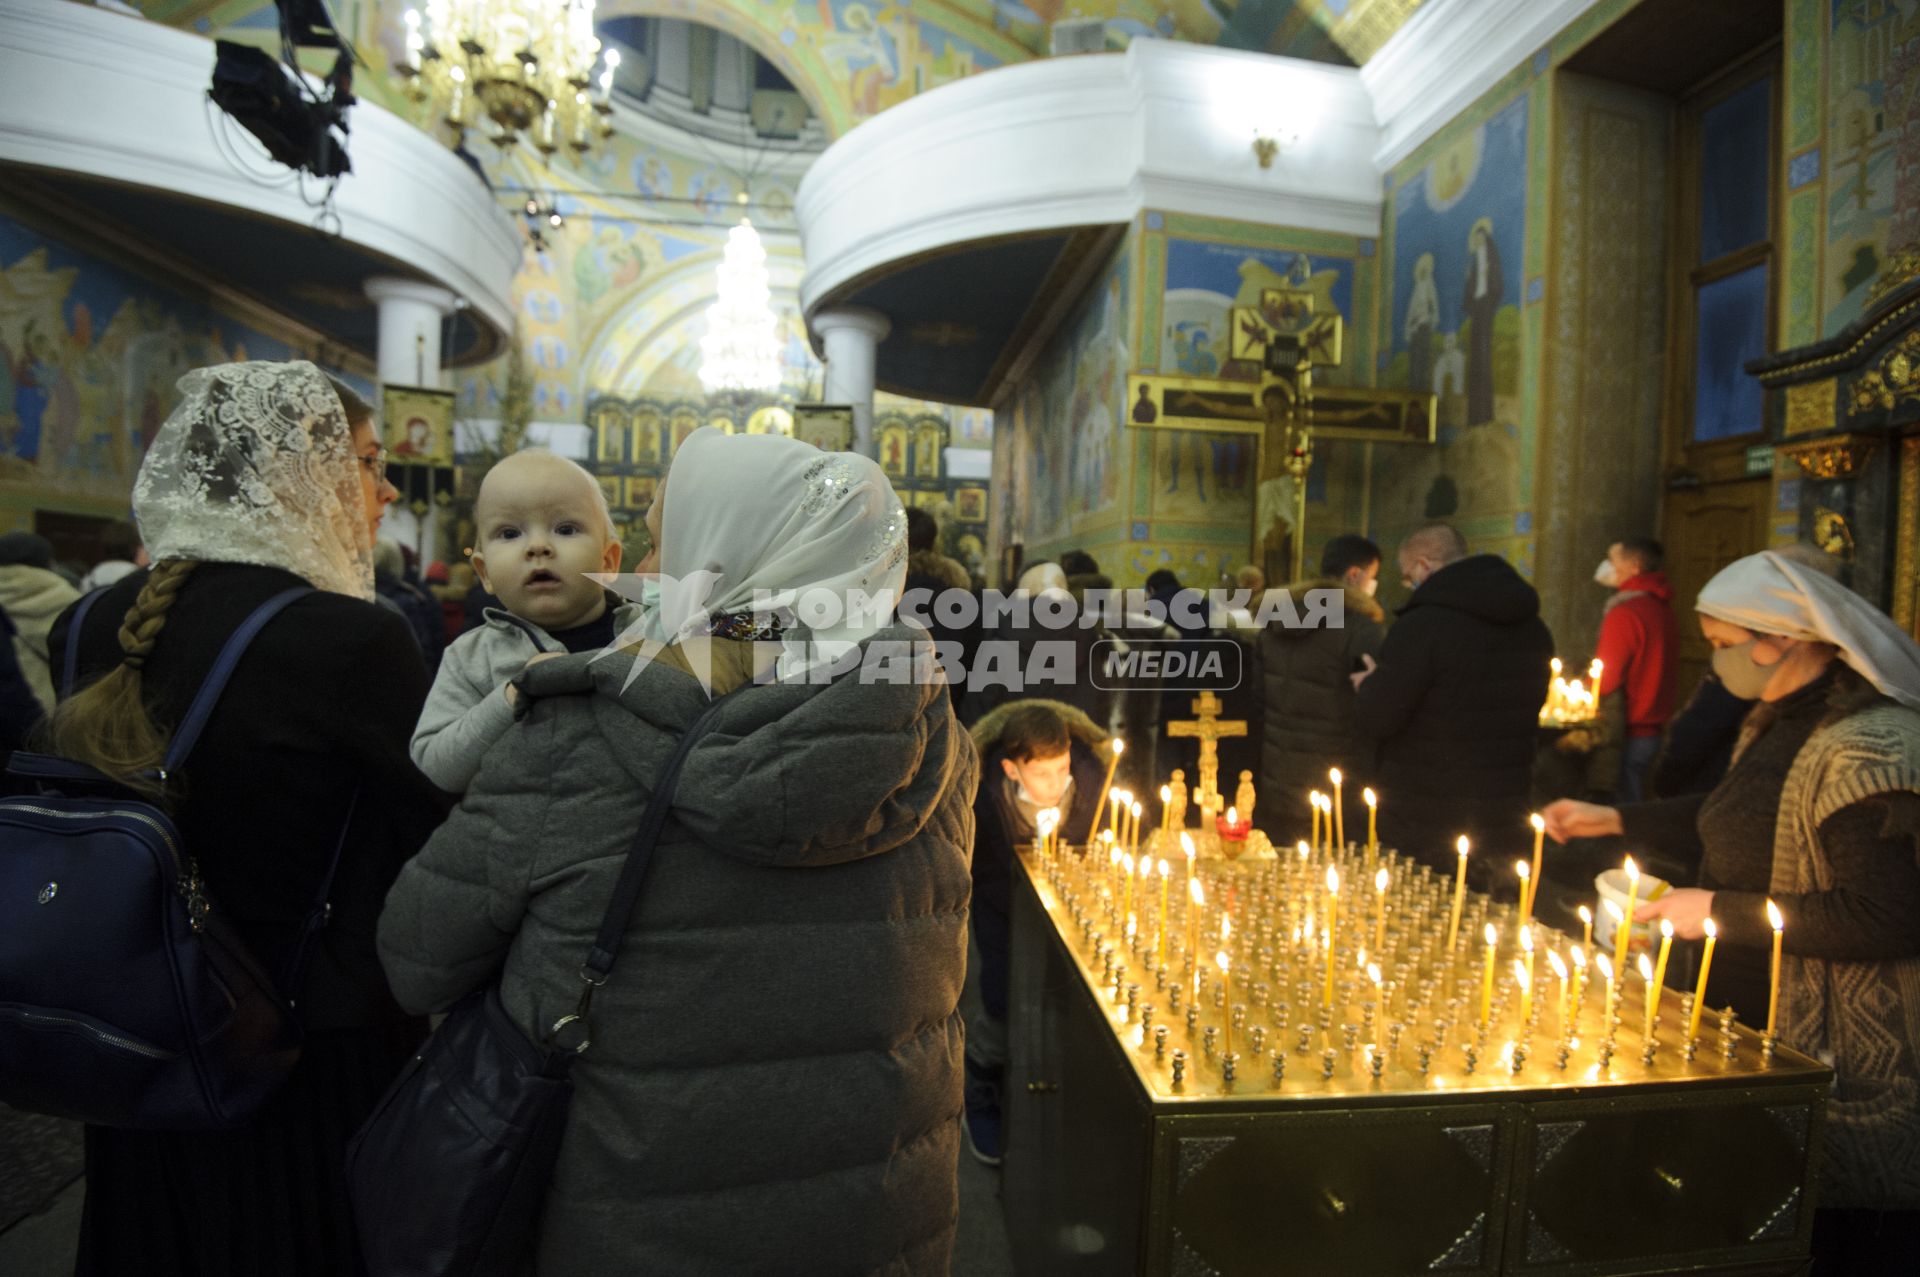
417, 425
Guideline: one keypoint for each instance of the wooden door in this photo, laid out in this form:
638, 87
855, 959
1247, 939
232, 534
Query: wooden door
1707, 528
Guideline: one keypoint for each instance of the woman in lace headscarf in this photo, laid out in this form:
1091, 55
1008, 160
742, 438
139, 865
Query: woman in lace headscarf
1819, 812
773, 1083
266, 476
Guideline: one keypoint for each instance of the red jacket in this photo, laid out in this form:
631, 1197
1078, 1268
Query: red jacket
1639, 642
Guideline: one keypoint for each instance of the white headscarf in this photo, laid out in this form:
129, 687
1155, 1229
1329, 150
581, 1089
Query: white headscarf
769, 525
1773, 595
256, 465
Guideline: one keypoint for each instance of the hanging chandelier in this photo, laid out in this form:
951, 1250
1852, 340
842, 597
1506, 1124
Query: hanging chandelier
525, 67
740, 355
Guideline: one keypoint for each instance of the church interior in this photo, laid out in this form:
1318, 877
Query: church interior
1187, 287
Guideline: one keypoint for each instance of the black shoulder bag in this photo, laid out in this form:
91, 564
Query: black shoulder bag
449, 1175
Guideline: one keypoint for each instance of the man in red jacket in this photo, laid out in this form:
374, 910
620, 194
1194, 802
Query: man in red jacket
1639, 642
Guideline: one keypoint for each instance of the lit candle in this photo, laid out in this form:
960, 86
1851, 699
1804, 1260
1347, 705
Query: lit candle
1647, 992
1526, 987
1042, 827
1166, 807
1521, 871
1586, 924
1130, 865
1486, 977
1660, 971
1523, 976
1373, 821
1623, 933
1164, 879
1119, 747
1606, 1008
1559, 966
1380, 880
1379, 1002
1339, 809
1226, 973
1779, 925
1187, 850
1700, 990
1579, 982
1196, 901
1133, 826
1313, 801
1113, 814
1459, 896
1539, 824
1333, 922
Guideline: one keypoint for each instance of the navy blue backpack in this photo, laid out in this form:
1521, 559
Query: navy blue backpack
126, 999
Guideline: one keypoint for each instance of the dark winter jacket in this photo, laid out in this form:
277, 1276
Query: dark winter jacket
1700, 740
1455, 708
1308, 719
998, 827
19, 707
421, 612
775, 1077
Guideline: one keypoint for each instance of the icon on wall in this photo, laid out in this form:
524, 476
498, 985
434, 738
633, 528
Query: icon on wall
417, 424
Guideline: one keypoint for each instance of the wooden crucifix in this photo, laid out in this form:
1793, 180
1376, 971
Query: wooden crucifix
1269, 392
1208, 727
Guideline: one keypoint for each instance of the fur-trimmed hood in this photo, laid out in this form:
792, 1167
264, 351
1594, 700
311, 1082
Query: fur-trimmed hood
1358, 603
986, 732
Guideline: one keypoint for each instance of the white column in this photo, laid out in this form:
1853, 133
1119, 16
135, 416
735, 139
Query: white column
412, 317
851, 339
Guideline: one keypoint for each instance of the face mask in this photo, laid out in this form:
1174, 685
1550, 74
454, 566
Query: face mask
649, 593
1738, 672
1372, 587
1020, 791
1606, 574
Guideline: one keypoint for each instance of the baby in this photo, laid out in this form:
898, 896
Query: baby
542, 524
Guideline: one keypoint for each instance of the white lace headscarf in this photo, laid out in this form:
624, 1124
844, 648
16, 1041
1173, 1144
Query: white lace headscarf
257, 466
1769, 594
767, 525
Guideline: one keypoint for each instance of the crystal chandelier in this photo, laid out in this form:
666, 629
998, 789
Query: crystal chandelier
741, 352
524, 66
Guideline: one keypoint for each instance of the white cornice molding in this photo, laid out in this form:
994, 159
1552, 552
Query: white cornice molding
1090, 140
105, 96
1448, 54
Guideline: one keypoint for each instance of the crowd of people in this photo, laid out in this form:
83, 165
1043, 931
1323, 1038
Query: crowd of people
778, 1066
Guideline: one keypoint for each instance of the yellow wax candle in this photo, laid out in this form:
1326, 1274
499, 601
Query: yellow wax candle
1113, 814
1526, 987
1186, 849
1700, 990
1134, 826
1523, 978
1313, 801
1779, 925
1373, 821
1459, 897
1559, 966
1539, 824
1379, 1001
1647, 992
1339, 809
1579, 982
1142, 869
1226, 973
1606, 1008
1660, 967
1380, 880
1164, 880
1333, 923
1166, 808
1100, 800
1486, 977
1521, 872
1623, 933
1586, 924
1196, 901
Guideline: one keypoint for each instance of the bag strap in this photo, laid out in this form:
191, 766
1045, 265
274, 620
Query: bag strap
626, 892
204, 700
322, 910
70, 668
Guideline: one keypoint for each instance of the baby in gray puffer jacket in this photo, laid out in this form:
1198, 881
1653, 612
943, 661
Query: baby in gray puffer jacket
542, 524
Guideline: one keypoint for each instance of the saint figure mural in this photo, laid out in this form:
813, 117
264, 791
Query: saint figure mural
1483, 295
1423, 316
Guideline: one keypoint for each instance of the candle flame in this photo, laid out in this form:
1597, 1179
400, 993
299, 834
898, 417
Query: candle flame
1586, 914
1113, 856
1146, 866
1373, 972
1520, 867
1119, 747
1132, 923
1333, 880
1526, 939
1233, 815
1710, 927
1220, 959
1773, 917
1460, 845
1579, 958
1196, 892
1333, 774
1380, 880
1163, 869
1493, 935
1520, 974
1604, 965
1372, 799
1538, 822
1166, 793
1226, 928
1136, 809
1128, 861
1186, 845
1633, 871
1615, 912
1666, 928
1558, 963
1646, 968
1304, 850
1106, 835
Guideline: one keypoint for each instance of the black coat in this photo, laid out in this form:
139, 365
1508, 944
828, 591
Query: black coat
19, 707
1700, 740
1455, 709
324, 701
1307, 724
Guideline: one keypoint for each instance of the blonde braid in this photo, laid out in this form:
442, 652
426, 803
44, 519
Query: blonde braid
144, 619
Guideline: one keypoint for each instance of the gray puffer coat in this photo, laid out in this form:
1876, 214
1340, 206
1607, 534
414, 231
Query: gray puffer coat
774, 1079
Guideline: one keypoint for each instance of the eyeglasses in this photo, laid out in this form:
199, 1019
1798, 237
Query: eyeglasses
376, 463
